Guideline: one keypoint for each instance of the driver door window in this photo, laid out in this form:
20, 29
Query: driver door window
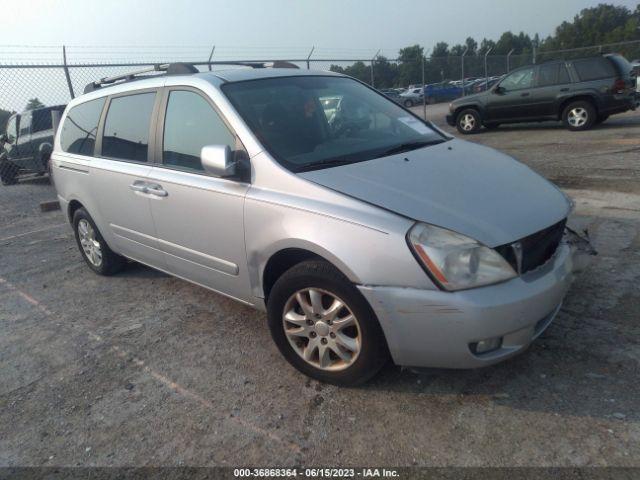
518, 80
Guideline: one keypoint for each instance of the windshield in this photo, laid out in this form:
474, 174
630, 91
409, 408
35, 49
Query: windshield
317, 122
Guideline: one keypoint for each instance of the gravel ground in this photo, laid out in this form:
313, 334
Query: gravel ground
144, 369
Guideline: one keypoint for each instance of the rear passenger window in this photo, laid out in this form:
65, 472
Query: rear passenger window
553, 74
593, 69
126, 129
25, 124
563, 75
190, 124
547, 75
41, 121
78, 134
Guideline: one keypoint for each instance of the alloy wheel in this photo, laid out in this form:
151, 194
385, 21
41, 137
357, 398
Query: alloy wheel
90, 246
468, 122
322, 329
578, 117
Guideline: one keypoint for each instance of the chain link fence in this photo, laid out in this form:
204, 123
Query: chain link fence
54, 75
35, 77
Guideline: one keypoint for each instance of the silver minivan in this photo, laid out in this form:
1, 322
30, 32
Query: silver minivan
363, 231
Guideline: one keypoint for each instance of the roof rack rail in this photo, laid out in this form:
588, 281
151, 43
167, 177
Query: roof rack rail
179, 68
168, 68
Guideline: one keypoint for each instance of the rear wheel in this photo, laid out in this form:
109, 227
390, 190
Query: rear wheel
408, 103
468, 121
323, 326
95, 251
579, 116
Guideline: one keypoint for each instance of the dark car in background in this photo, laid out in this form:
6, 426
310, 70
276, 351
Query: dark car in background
392, 93
27, 143
581, 92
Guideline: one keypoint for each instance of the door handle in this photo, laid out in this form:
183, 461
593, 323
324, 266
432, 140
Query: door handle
525, 94
157, 190
565, 89
138, 186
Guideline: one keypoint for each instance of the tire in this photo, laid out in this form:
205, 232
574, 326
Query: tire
109, 262
368, 350
431, 100
468, 121
408, 103
8, 173
579, 116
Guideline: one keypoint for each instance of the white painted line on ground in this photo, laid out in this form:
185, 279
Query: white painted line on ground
167, 382
32, 232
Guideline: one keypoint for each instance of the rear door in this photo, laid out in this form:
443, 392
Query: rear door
199, 218
119, 173
552, 83
513, 100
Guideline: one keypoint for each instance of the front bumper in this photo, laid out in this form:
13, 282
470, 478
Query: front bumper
433, 328
451, 120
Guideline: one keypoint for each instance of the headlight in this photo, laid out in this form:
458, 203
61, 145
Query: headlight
455, 261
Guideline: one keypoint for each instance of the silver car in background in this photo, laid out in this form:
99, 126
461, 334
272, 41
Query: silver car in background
364, 232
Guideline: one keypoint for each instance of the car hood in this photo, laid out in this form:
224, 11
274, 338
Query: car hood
466, 98
461, 186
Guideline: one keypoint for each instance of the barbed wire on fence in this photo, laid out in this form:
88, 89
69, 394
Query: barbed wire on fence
55, 74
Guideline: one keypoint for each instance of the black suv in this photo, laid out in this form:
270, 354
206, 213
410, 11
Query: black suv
27, 143
581, 93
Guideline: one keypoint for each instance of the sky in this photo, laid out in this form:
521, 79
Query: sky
334, 27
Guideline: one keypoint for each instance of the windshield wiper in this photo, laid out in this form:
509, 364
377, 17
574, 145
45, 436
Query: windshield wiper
407, 147
332, 162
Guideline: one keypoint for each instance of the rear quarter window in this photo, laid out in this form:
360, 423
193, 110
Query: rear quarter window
78, 134
593, 69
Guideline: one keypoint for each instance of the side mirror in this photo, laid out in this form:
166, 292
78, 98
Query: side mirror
217, 160
499, 90
4, 138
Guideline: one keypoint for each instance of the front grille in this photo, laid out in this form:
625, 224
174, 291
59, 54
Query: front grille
536, 249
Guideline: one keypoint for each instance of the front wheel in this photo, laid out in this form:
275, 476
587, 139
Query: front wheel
468, 121
324, 327
408, 103
579, 116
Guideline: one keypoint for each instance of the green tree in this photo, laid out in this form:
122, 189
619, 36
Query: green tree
472, 45
410, 65
33, 104
440, 50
